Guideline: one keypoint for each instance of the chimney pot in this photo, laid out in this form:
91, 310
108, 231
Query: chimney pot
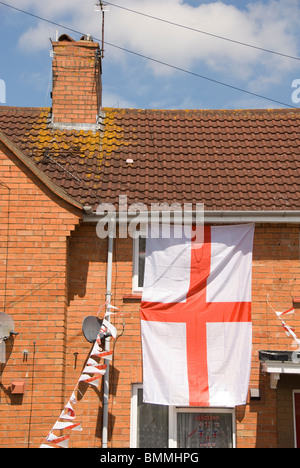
87, 37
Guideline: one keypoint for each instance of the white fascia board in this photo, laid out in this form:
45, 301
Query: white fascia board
287, 217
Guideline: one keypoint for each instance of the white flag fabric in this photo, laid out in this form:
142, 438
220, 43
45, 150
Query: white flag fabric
196, 317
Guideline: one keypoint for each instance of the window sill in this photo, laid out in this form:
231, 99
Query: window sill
131, 298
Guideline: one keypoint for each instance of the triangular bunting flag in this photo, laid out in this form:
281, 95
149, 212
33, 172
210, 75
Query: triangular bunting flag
62, 441
73, 399
68, 413
96, 349
111, 328
92, 362
59, 426
90, 380
286, 312
95, 369
106, 355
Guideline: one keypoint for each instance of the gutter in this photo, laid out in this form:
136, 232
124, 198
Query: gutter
290, 217
287, 217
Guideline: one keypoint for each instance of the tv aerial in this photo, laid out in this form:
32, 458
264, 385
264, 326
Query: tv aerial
7, 328
103, 7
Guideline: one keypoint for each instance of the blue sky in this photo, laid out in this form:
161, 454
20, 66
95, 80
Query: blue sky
132, 81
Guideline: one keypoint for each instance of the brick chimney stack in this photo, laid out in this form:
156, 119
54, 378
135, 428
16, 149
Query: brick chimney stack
77, 88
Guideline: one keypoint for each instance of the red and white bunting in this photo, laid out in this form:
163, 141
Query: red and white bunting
60, 426
68, 412
62, 441
95, 369
286, 312
290, 332
106, 325
91, 375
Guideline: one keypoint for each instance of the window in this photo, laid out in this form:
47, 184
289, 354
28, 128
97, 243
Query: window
204, 429
139, 249
149, 423
158, 426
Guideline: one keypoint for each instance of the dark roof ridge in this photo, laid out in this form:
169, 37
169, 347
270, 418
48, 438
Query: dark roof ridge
225, 111
32, 108
152, 110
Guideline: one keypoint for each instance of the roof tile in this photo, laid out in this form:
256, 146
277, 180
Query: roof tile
229, 160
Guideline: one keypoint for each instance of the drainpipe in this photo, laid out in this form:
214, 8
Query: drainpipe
107, 341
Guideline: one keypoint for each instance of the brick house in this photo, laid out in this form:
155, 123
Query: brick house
57, 166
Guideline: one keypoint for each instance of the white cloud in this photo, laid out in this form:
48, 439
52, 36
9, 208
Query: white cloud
74, 14
35, 39
269, 24
115, 101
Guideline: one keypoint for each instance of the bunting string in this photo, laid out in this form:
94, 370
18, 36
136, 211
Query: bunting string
91, 374
290, 332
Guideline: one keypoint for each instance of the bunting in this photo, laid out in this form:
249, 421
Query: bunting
91, 374
290, 332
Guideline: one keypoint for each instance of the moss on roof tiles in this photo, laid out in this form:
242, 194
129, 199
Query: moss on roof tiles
42, 138
114, 136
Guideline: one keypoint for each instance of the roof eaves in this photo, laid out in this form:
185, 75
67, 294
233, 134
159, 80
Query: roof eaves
38, 173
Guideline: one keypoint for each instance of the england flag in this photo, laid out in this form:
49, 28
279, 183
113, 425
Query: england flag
196, 316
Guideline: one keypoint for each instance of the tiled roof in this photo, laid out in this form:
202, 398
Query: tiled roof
71, 159
229, 160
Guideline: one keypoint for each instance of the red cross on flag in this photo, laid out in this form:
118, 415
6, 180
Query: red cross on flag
196, 316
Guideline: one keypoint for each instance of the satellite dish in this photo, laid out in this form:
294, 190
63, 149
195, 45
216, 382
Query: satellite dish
91, 327
7, 327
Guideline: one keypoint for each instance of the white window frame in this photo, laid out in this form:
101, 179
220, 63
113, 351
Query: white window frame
133, 414
173, 411
136, 289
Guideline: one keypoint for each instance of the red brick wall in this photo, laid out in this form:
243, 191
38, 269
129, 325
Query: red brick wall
76, 94
276, 277
34, 231
56, 276
87, 288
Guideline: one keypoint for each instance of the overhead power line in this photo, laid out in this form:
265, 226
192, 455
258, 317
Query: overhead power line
197, 75
204, 32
